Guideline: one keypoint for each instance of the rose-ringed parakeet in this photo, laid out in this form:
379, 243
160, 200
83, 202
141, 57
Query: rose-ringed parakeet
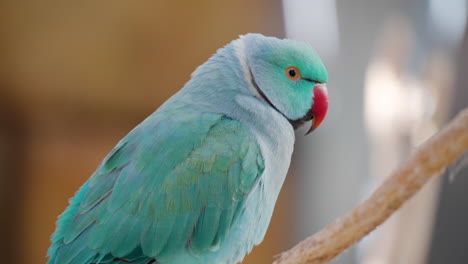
197, 181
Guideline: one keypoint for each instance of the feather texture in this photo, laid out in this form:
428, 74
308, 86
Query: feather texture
138, 198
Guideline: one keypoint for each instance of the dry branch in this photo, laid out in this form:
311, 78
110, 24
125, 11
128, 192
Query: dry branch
430, 159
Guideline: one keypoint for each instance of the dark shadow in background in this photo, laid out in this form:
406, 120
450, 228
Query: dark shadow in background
450, 237
13, 148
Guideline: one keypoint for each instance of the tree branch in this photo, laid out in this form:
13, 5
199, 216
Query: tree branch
430, 159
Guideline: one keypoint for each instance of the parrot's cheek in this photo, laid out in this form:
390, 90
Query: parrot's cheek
320, 106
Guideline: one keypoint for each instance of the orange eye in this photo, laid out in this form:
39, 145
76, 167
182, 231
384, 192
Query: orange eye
293, 73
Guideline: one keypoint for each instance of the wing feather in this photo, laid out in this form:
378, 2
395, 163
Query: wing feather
170, 185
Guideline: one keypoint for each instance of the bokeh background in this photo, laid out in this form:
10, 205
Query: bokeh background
76, 76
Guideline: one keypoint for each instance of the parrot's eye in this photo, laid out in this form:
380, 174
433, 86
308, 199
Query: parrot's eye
293, 73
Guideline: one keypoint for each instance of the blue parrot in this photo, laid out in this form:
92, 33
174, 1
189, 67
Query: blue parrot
197, 181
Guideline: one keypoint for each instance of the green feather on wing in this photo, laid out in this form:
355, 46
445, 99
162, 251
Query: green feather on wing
172, 184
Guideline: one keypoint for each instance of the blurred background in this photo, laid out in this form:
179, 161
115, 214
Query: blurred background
75, 77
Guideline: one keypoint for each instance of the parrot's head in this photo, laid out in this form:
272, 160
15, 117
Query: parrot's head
289, 76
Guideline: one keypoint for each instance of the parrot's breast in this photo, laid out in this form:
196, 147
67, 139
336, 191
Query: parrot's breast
275, 136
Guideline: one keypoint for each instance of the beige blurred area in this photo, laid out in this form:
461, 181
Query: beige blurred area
76, 76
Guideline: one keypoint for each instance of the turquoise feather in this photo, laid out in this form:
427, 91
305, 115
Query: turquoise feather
168, 222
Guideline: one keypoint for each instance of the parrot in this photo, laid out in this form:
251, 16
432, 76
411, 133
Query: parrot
196, 182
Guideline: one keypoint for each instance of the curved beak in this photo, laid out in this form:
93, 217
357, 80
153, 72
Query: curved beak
319, 107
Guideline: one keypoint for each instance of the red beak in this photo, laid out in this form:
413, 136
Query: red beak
320, 107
